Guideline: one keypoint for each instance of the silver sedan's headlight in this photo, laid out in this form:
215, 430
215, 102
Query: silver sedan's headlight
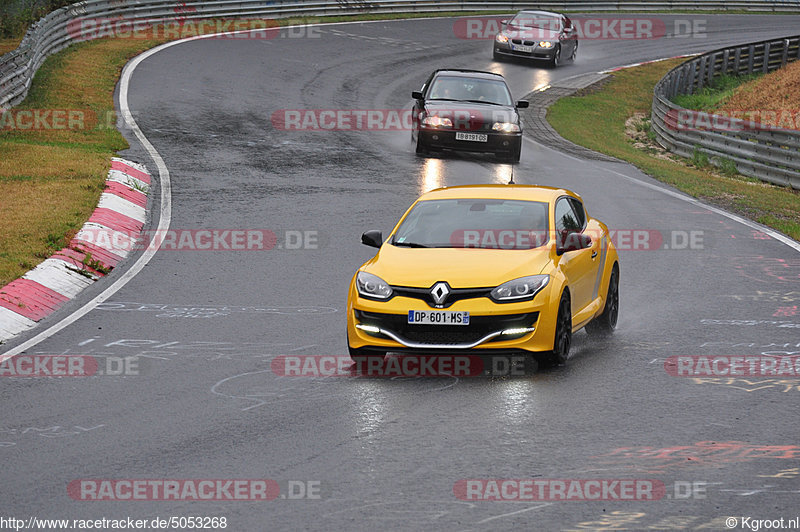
501, 37
372, 286
520, 289
506, 127
546, 44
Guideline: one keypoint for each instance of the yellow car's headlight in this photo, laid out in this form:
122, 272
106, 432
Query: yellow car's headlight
546, 44
506, 127
520, 289
372, 286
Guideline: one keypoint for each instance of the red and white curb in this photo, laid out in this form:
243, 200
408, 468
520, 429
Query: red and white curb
41, 291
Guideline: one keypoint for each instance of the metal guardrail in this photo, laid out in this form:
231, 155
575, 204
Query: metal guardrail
58, 29
767, 153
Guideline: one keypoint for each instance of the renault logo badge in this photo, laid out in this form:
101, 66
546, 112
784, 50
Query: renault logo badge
439, 292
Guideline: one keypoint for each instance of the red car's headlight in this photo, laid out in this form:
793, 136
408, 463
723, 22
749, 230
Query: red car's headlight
437, 121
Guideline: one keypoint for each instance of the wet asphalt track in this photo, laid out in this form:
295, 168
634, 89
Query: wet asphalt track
387, 453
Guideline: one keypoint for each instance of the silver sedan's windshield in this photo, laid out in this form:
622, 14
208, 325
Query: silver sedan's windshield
474, 223
522, 20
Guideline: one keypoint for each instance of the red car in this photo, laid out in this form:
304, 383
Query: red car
467, 110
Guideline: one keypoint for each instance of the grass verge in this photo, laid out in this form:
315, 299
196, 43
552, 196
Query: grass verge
597, 119
714, 95
8, 45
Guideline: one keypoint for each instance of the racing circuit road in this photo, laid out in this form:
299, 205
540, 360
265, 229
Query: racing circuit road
387, 452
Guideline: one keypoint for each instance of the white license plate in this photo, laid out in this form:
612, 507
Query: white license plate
522, 48
474, 137
437, 317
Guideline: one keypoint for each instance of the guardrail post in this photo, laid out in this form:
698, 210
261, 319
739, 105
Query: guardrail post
738, 60
785, 56
765, 66
703, 73
692, 73
684, 85
751, 50
713, 69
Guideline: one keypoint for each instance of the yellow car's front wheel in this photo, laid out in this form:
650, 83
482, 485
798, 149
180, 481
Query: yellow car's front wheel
563, 337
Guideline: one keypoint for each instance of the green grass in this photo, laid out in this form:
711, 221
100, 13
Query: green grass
699, 158
597, 120
714, 95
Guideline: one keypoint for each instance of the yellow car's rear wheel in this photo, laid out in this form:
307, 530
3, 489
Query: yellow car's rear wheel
606, 322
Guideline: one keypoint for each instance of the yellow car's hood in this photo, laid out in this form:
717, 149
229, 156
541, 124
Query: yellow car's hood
460, 267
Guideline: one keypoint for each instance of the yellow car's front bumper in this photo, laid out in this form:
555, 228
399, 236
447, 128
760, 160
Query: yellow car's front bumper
383, 325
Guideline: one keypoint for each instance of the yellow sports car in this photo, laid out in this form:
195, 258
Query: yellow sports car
485, 269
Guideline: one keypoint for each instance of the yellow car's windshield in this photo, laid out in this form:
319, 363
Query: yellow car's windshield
474, 223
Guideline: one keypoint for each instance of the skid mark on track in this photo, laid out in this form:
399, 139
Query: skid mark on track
389, 42
261, 387
701, 454
188, 311
427, 513
9, 437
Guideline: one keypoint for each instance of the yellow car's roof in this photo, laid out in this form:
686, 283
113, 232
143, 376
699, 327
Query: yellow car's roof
511, 192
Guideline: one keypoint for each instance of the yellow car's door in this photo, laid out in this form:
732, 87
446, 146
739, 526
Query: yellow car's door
579, 265
579, 268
